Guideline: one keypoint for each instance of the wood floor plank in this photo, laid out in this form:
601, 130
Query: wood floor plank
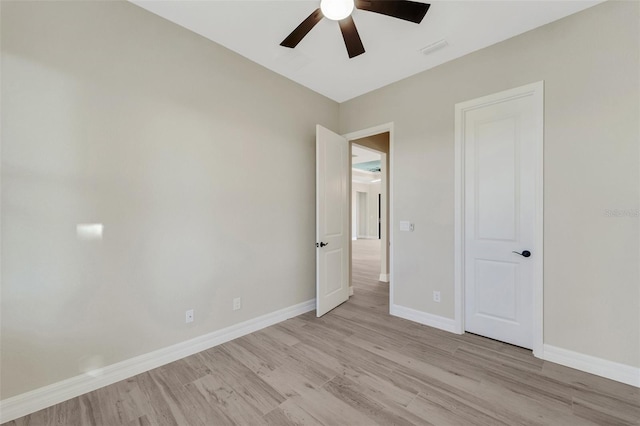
231, 403
446, 413
597, 415
292, 414
92, 409
381, 337
86, 414
250, 356
320, 356
131, 402
349, 392
242, 380
178, 373
321, 407
158, 402
289, 383
277, 417
608, 401
281, 335
140, 421
350, 355
592, 383
357, 365
112, 409
380, 388
198, 403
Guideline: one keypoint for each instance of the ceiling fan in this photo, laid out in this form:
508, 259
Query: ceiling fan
340, 10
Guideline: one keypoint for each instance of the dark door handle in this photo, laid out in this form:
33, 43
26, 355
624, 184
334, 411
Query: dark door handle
321, 244
525, 253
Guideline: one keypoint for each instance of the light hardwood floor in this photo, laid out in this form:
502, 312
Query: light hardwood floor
355, 366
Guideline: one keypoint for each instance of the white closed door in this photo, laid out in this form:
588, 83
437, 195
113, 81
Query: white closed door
332, 220
502, 138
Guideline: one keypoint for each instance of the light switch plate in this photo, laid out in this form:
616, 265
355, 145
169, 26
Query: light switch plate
405, 225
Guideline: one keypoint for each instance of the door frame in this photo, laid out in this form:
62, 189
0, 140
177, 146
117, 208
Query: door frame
372, 131
536, 91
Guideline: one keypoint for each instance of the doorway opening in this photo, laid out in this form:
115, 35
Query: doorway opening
370, 195
334, 224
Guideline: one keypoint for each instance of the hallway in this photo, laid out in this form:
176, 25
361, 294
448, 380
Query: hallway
366, 265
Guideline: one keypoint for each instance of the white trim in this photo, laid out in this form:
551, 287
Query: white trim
598, 366
538, 269
351, 291
371, 131
435, 321
29, 402
384, 278
536, 90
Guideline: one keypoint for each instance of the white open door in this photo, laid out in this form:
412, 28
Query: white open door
332, 220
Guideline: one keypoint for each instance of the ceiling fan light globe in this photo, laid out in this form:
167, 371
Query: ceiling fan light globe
336, 10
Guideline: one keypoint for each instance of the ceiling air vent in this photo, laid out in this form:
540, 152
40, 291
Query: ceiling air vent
434, 46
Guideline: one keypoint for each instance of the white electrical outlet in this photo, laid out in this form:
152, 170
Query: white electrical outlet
189, 316
237, 303
436, 296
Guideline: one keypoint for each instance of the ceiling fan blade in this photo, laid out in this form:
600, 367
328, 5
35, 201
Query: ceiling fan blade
303, 29
351, 37
402, 9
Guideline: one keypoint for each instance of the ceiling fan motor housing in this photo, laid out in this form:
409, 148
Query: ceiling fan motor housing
340, 10
336, 10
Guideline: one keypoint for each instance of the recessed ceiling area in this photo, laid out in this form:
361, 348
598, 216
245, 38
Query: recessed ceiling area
365, 164
254, 29
361, 155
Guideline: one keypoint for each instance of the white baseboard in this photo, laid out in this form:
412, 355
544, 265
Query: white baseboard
351, 291
384, 278
29, 402
598, 366
435, 321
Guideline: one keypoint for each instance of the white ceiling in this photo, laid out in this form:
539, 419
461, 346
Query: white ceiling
254, 29
363, 155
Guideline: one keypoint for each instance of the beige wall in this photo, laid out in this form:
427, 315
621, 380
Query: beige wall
372, 190
113, 115
589, 62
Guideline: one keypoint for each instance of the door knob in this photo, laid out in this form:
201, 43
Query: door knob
525, 253
321, 244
